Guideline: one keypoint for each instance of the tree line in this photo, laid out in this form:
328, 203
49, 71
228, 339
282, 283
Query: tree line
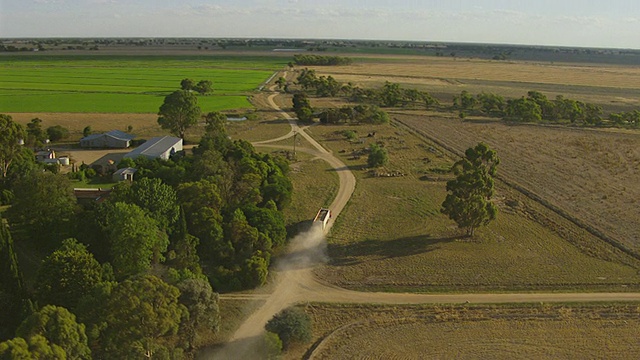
309, 59
537, 107
389, 95
148, 254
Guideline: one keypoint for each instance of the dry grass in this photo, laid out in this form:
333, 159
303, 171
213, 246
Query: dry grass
144, 125
615, 87
496, 332
393, 238
593, 175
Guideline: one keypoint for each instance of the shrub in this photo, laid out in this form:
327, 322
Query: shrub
291, 325
57, 133
90, 173
350, 134
377, 157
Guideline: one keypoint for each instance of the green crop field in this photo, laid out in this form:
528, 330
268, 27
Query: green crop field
106, 84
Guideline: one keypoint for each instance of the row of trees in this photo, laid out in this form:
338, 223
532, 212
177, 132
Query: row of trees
359, 114
537, 107
307, 60
389, 95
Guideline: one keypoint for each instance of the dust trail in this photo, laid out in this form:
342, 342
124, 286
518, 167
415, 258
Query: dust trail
293, 270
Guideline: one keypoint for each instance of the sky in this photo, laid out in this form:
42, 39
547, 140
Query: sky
584, 23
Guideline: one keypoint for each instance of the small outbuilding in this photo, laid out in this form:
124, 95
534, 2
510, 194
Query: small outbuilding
114, 139
158, 147
46, 156
124, 174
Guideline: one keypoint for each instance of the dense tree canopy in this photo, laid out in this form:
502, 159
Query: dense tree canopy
10, 147
142, 314
136, 241
11, 286
46, 202
468, 201
36, 347
67, 274
60, 328
179, 112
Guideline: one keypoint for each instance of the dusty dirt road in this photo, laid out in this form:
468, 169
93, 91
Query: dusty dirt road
296, 283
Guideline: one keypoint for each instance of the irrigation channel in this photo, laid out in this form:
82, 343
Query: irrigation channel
296, 283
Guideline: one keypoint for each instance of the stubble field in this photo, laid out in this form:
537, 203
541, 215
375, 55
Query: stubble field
498, 332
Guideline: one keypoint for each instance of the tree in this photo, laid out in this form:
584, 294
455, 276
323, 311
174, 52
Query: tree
204, 87
378, 156
67, 274
281, 82
10, 147
302, 107
36, 136
87, 131
187, 84
36, 347
179, 112
202, 303
135, 239
11, 285
157, 199
59, 327
468, 201
291, 325
215, 122
57, 133
45, 201
141, 313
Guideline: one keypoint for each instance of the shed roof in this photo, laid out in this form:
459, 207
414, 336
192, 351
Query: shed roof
127, 170
120, 135
154, 147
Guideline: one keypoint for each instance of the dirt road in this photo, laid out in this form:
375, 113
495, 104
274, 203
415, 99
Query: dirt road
295, 281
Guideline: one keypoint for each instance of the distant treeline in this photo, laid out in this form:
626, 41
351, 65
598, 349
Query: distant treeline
301, 59
535, 107
389, 95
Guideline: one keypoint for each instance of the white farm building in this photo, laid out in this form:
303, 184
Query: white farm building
111, 139
158, 147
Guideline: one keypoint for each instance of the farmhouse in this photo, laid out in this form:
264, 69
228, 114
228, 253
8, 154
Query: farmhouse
111, 139
157, 147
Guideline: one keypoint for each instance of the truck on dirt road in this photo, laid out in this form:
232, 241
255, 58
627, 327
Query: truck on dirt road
322, 217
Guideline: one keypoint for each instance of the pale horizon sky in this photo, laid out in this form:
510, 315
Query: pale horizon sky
608, 24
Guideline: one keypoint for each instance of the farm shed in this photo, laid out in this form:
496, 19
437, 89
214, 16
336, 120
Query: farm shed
111, 139
124, 174
158, 147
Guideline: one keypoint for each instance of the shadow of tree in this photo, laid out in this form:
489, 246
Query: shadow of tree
352, 253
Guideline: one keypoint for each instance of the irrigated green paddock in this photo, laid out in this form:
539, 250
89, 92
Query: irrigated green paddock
108, 84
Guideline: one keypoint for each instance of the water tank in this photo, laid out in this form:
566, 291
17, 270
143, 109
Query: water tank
64, 160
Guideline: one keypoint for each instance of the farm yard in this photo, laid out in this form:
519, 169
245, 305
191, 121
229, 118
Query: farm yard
125, 84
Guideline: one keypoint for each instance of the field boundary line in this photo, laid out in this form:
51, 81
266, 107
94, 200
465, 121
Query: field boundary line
531, 195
